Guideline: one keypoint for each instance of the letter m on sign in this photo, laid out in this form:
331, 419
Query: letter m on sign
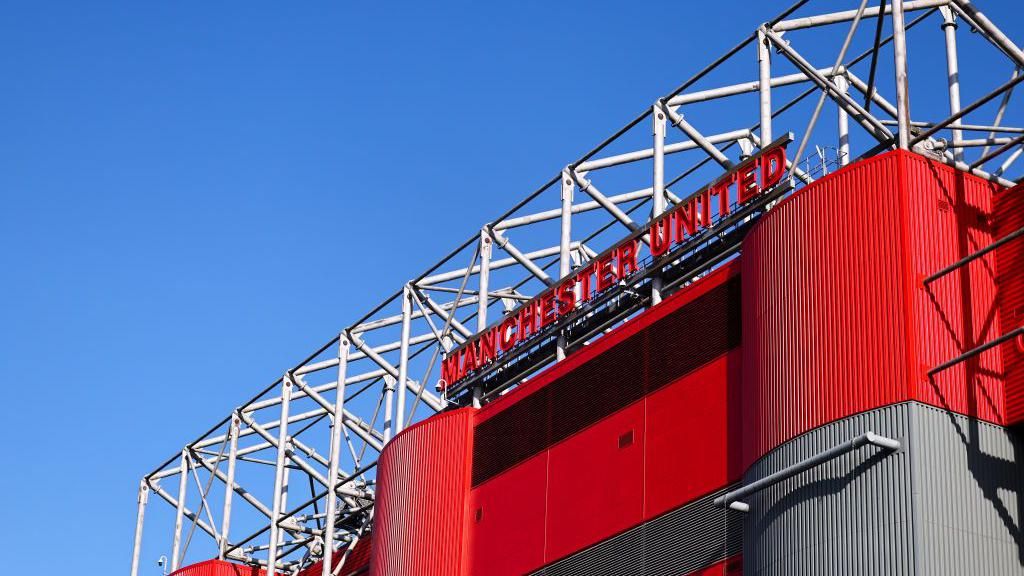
450, 368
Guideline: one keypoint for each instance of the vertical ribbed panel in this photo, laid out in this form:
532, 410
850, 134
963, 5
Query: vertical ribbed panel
968, 481
423, 480
949, 216
1009, 217
218, 568
947, 502
824, 329
837, 319
851, 515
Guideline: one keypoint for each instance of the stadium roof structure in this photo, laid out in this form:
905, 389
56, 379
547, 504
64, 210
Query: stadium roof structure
234, 490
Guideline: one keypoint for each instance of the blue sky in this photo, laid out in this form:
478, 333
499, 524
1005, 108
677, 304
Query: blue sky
195, 195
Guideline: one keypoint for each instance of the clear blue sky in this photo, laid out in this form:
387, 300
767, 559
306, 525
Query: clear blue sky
167, 167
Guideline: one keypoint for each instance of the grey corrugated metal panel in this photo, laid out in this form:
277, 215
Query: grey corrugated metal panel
851, 515
970, 506
689, 538
621, 554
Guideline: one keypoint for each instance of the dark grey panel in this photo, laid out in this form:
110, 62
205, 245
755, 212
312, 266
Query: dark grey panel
967, 486
849, 516
948, 502
689, 538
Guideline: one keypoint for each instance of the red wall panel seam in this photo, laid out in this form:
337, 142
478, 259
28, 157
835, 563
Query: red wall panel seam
909, 278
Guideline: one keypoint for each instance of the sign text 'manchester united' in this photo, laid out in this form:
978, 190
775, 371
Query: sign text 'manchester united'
684, 222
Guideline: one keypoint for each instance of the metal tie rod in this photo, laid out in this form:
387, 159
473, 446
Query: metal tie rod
732, 499
998, 151
965, 111
977, 350
972, 257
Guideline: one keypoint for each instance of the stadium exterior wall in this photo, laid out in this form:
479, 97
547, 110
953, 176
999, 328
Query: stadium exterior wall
825, 328
419, 516
837, 319
1009, 210
822, 328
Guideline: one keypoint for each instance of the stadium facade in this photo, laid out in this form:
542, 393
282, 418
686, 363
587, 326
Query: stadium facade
790, 369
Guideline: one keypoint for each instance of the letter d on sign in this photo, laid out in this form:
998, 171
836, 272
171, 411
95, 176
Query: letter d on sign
773, 166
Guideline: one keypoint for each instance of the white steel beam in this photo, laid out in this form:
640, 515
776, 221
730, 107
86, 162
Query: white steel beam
428, 398
229, 484
952, 73
403, 358
445, 314
710, 149
568, 189
140, 518
279, 472
990, 30
505, 244
337, 421
847, 15
588, 188
659, 202
155, 487
856, 111
495, 264
899, 43
576, 209
674, 148
764, 86
182, 485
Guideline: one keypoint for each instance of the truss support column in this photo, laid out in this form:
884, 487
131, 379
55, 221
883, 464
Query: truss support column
844, 124
484, 280
403, 359
565, 246
389, 406
140, 519
180, 514
764, 67
953, 75
899, 43
229, 484
658, 198
337, 422
279, 476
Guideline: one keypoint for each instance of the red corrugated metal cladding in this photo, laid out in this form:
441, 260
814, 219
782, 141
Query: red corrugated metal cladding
423, 480
668, 448
949, 216
1009, 216
218, 568
837, 319
596, 482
